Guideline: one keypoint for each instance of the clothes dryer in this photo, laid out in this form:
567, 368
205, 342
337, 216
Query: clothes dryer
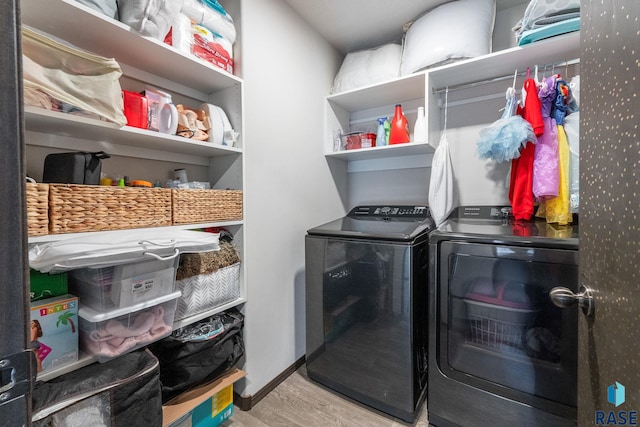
500, 352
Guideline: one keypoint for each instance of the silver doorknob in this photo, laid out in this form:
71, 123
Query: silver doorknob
564, 297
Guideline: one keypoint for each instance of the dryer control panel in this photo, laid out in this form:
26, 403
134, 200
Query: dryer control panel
389, 212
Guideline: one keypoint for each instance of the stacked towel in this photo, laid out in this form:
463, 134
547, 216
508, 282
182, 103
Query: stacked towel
547, 18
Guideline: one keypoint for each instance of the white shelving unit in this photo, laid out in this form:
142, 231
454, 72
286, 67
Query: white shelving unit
144, 62
358, 110
126, 141
355, 109
498, 66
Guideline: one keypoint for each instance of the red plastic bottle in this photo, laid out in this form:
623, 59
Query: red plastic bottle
399, 127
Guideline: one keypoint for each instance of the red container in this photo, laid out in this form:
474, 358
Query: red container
136, 109
399, 127
355, 140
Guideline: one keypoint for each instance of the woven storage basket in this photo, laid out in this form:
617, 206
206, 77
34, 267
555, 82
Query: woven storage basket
37, 209
194, 206
77, 208
206, 291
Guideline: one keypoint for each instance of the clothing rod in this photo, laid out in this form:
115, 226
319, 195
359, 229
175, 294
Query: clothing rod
408, 111
508, 77
466, 101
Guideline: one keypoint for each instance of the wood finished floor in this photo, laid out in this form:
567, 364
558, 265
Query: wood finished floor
298, 401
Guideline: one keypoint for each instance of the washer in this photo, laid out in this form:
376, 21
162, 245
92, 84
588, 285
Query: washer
366, 312
501, 353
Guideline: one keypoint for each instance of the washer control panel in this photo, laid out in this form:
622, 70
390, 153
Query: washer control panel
390, 212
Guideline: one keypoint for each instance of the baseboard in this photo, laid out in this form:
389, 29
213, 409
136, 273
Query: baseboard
245, 403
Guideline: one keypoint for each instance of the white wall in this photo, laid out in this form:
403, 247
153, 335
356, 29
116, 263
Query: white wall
506, 19
288, 70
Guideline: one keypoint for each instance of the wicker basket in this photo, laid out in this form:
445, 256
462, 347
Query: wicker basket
37, 209
76, 208
195, 206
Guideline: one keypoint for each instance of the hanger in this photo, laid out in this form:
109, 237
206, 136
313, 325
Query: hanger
511, 95
511, 91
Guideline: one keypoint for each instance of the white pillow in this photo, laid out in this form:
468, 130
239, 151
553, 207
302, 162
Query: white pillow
457, 30
367, 67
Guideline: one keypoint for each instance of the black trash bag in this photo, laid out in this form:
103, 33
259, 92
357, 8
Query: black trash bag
122, 392
199, 353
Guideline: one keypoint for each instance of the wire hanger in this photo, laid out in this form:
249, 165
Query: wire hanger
512, 90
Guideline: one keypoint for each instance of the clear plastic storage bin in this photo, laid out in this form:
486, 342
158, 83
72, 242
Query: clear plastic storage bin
123, 285
113, 333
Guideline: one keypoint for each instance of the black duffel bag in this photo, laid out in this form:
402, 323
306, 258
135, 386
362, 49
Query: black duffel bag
199, 353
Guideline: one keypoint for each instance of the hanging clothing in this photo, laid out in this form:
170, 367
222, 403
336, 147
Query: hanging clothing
521, 181
556, 209
520, 187
545, 162
572, 130
532, 107
503, 139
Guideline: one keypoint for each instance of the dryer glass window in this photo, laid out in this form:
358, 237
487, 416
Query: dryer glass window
501, 326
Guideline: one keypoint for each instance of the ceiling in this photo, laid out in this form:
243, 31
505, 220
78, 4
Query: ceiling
351, 25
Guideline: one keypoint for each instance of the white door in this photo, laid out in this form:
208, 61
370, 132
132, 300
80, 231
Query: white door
609, 349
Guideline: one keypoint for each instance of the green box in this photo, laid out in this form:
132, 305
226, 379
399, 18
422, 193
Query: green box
44, 285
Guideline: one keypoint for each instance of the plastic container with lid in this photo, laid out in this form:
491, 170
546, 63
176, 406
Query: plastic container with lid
110, 334
120, 286
356, 140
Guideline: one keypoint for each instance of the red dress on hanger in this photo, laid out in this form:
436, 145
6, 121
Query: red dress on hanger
521, 183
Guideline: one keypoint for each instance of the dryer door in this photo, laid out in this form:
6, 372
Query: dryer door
499, 329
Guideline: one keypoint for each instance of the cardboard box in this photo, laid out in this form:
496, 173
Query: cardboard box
204, 406
210, 413
54, 331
